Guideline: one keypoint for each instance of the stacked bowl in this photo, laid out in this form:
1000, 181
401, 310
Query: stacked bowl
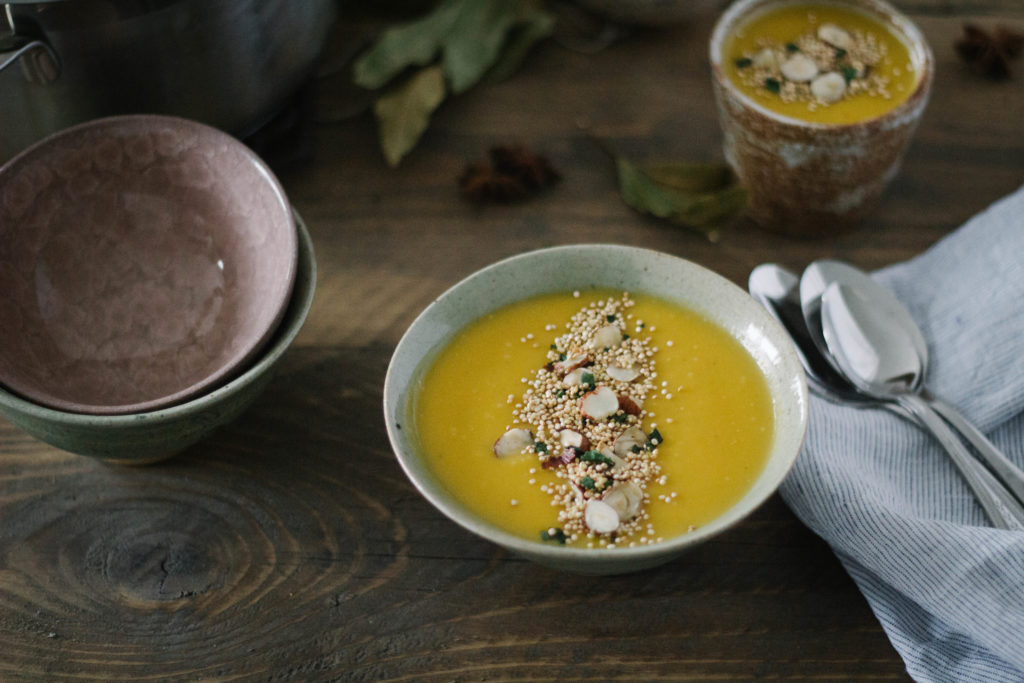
152, 272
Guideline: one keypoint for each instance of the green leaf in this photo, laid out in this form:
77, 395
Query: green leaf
475, 40
533, 25
403, 113
641, 193
597, 457
691, 177
414, 44
713, 198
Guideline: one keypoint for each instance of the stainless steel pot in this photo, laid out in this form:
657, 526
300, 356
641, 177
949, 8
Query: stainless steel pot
229, 63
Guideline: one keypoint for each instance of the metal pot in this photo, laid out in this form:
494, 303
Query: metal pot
228, 63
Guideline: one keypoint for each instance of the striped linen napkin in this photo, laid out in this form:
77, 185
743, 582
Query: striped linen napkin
947, 588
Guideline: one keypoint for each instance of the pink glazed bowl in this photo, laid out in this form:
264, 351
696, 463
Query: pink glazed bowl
143, 260
815, 179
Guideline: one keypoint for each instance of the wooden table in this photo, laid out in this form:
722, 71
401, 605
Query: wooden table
290, 546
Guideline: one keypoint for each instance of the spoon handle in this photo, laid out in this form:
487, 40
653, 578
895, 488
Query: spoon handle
1008, 473
1002, 509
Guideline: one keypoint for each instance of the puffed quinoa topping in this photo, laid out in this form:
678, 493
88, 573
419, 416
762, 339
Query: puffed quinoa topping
826, 64
601, 490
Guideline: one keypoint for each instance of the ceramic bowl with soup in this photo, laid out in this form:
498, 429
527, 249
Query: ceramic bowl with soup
818, 101
595, 408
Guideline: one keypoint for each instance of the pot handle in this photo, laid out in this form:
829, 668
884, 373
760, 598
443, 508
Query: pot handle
39, 62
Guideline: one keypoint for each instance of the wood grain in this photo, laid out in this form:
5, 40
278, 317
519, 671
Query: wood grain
290, 546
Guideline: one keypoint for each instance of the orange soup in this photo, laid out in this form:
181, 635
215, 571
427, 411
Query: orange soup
597, 419
820, 63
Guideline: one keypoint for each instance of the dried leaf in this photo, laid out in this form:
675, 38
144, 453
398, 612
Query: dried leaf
475, 40
705, 208
533, 25
691, 177
403, 113
414, 44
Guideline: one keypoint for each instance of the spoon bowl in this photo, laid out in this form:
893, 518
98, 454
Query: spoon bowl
872, 340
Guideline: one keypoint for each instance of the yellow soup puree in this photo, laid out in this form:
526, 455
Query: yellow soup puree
820, 63
708, 401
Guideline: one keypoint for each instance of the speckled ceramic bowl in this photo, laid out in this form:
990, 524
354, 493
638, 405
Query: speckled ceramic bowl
148, 437
143, 260
814, 179
621, 268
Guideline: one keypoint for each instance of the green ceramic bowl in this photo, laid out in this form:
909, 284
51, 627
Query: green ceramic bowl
143, 438
621, 268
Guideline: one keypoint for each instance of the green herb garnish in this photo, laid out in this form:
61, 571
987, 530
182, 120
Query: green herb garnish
597, 457
587, 380
654, 439
773, 85
840, 53
849, 73
588, 483
540, 447
743, 62
620, 418
558, 536
792, 47
610, 318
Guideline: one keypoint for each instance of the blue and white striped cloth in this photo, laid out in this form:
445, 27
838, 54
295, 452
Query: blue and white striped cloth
947, 588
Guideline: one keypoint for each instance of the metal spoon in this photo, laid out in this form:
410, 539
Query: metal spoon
873, 341
778, 290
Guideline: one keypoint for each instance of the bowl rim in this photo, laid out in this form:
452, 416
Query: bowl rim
294, 318
396, 398
255, 342
917, 45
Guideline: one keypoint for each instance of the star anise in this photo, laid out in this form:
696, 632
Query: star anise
513, 173
989, 54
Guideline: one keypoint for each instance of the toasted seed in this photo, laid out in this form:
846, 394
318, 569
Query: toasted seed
835, 36
829, 87
634, 436
621, 374
625, 498
512, 442
600, 517
607, 336
765, 59
630, 406
799, 68
599, 403
570, 438
570, 363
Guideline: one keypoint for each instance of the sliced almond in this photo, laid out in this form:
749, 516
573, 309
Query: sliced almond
620, 463
625, 498
629, 405
828, 87
623, 446
607, 337
600, 517
599, 403
764, 59
570, 363
835, 36
573, 378
512, 442
621, 374
799, 68
570, 438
